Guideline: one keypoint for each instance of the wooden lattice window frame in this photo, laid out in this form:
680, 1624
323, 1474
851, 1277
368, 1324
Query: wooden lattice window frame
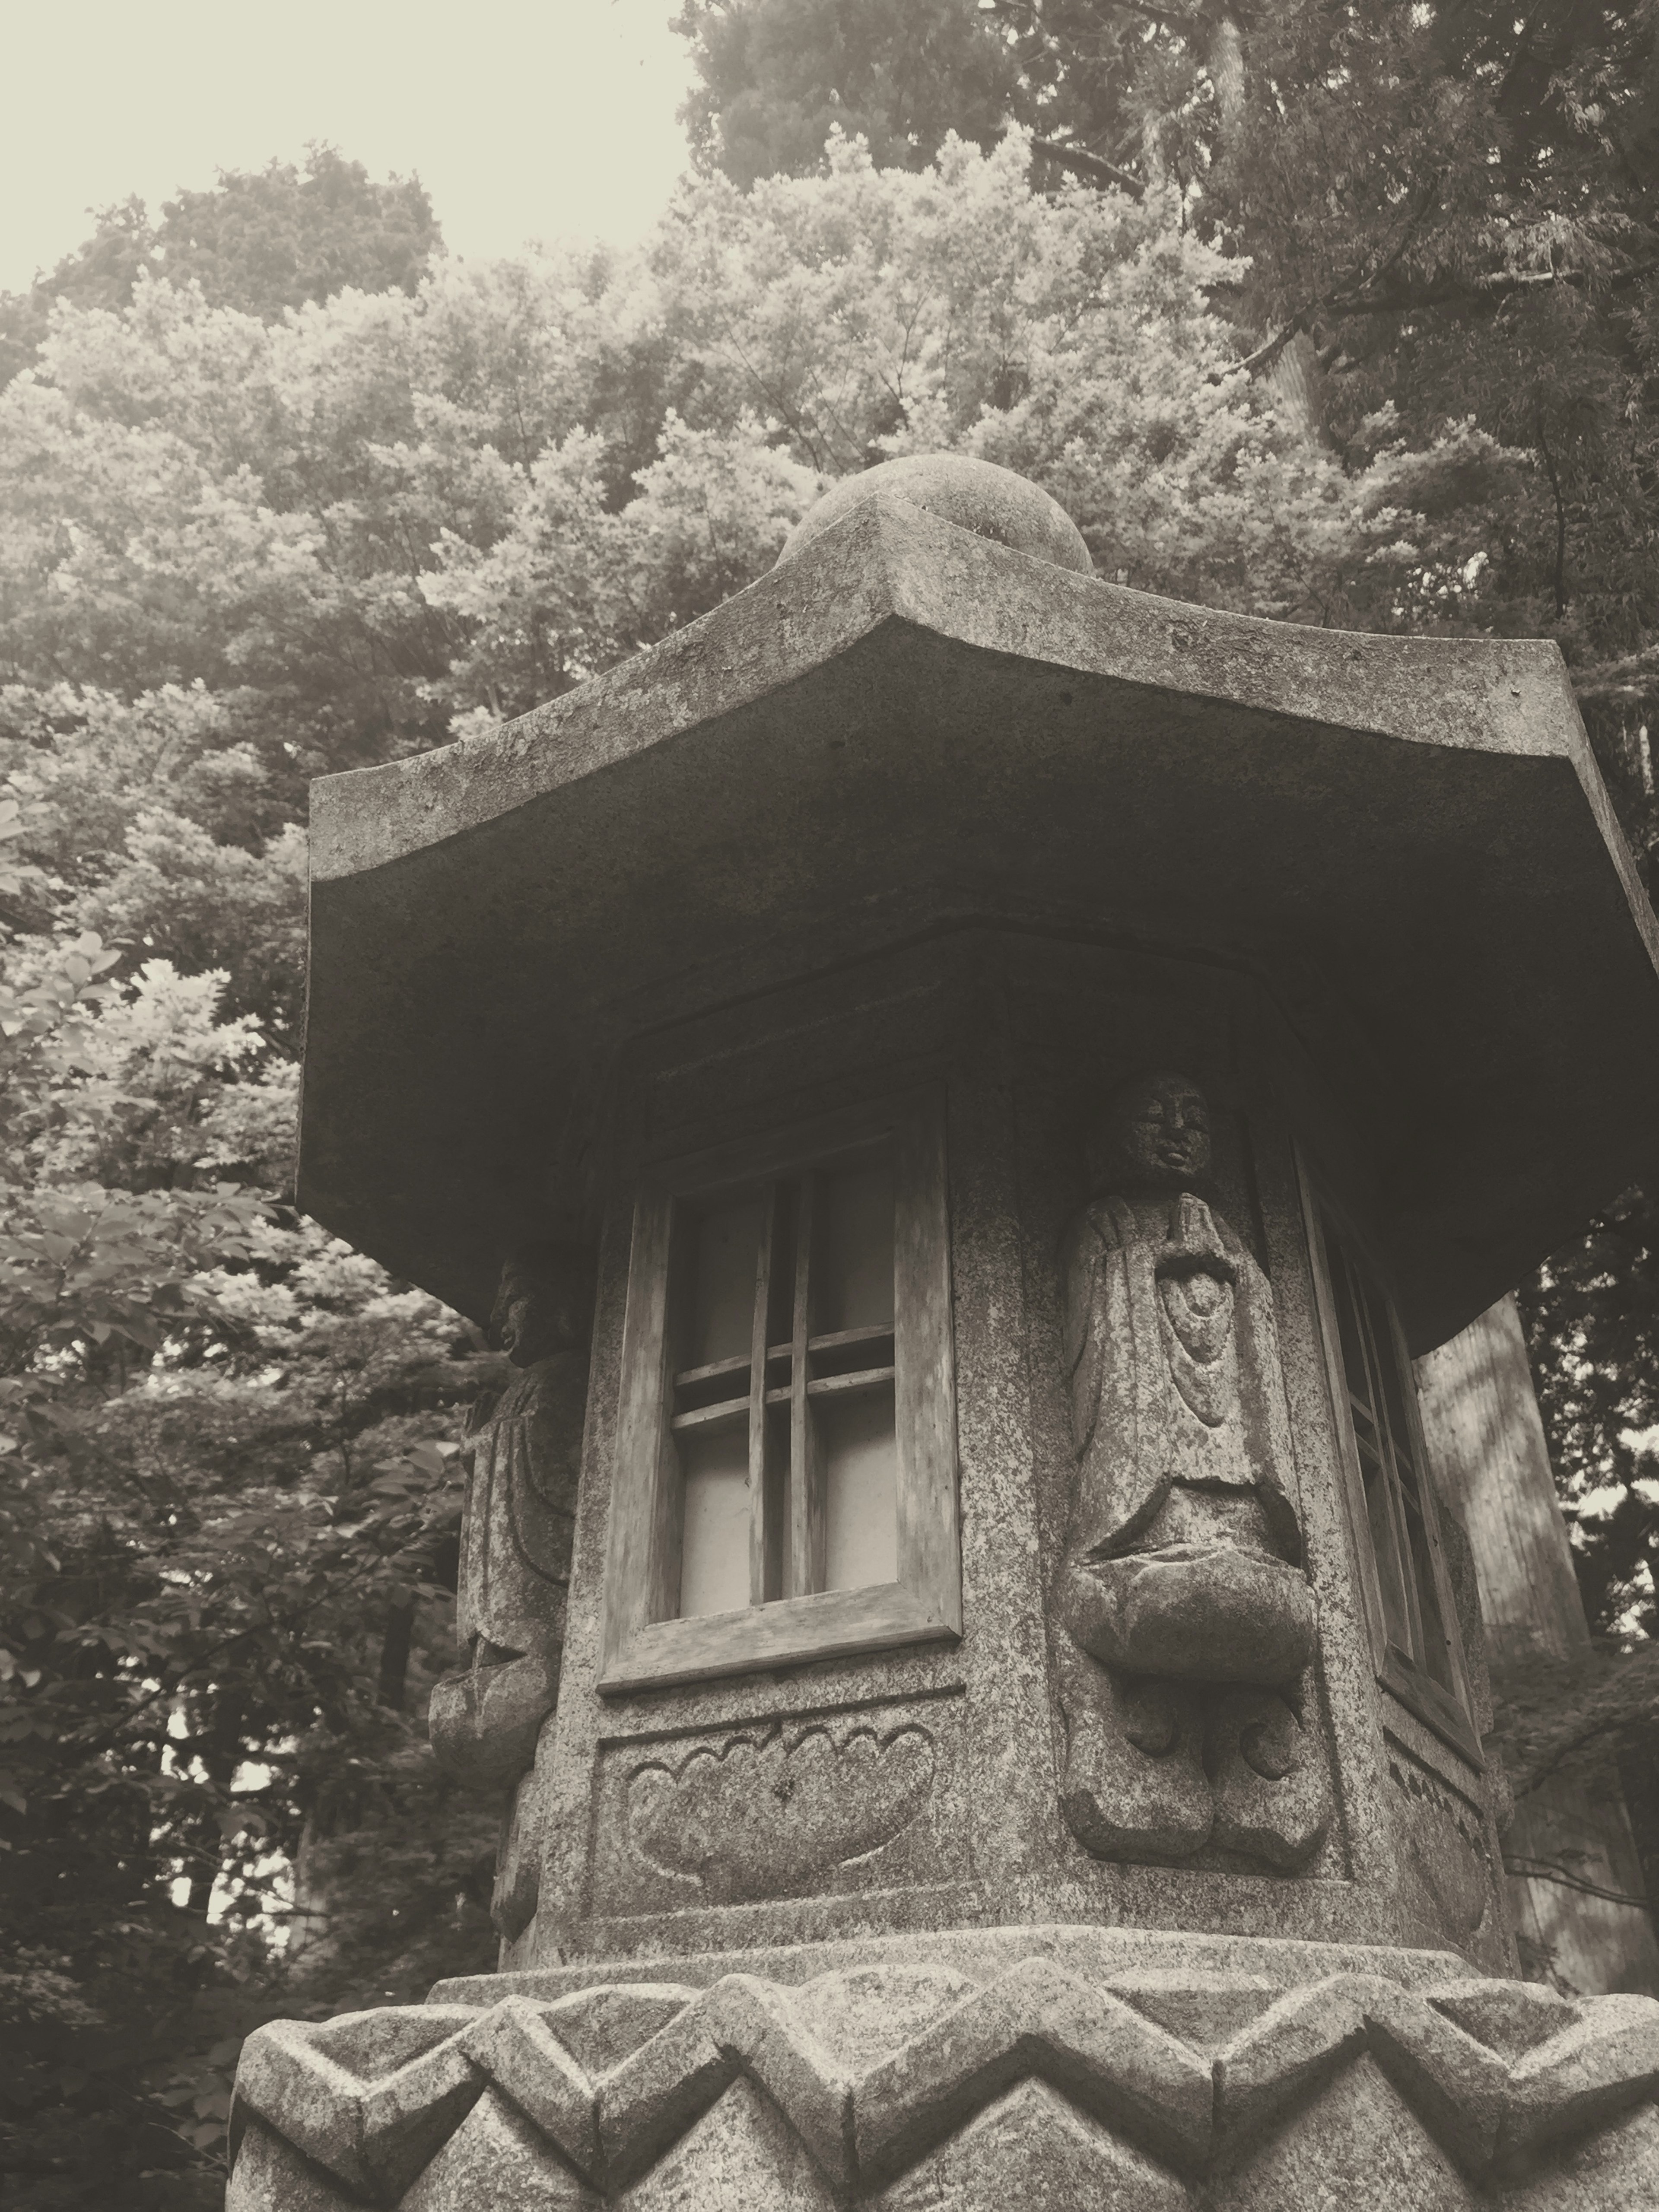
645, 1643
1393, 1513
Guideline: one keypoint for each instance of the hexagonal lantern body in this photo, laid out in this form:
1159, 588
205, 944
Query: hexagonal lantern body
1018, 1067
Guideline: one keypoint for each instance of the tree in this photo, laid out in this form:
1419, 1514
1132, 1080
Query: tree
222, 1480
275, 237
1592, 1316
1425, 214
777, 79
261, 241
99, 273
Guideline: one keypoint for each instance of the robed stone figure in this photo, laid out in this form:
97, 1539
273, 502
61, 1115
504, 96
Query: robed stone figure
522, 1455
1186, 1621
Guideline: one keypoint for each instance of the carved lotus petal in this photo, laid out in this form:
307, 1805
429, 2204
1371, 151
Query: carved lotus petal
769, 1815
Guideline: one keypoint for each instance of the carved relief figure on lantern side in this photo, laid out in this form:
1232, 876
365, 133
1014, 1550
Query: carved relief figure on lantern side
523, 1458
1185, 1622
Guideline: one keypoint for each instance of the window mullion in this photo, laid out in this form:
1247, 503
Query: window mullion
806, 1532
759, 1503
1446, 1663
1390, 1457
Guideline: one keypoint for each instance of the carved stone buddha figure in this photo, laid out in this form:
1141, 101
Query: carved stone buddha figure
523, 1457
1186, 1620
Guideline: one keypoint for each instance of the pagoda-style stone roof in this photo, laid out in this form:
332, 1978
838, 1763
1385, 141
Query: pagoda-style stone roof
906, 726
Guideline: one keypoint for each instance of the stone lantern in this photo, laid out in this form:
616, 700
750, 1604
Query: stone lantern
965, 1089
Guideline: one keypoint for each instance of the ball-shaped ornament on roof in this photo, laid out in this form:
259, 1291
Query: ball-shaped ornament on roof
977, 495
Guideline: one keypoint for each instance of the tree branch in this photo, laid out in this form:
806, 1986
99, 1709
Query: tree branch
1502, 284
1545, 1870
1426, 199
1629, 679
1172, 19
1091, 165
1560, 521
1265, 355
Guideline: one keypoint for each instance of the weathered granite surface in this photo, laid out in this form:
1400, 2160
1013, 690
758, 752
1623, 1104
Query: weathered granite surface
921, 1787
930, 815
977, 495
908, 2085
907, 723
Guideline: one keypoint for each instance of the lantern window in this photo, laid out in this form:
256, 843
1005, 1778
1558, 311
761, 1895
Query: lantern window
1404, 1578
785, 1480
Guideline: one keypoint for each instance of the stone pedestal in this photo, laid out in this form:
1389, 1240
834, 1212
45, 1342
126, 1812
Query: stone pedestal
1059, 2068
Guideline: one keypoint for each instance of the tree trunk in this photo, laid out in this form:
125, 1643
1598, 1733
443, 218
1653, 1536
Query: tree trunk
312, 1938
1225, 61
394, 1652
1298, 384
1294, 376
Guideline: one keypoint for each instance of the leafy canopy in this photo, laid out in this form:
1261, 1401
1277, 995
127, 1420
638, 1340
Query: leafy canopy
263, 240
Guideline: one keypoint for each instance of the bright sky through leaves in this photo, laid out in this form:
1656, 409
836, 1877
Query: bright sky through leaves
523, 118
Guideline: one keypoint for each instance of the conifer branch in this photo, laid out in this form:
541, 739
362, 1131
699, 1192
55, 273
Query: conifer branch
1092, 165
1475, 291
1501, 284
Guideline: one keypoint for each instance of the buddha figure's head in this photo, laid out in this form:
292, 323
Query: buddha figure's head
542, 1305
1154, 1134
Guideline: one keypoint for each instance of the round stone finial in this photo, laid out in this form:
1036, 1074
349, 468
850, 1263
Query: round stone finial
977, 496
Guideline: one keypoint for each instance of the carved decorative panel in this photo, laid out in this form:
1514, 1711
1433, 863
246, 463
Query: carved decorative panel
805, 1805
1443, 1862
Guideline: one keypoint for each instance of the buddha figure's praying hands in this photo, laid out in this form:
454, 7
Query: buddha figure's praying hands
1187, 1622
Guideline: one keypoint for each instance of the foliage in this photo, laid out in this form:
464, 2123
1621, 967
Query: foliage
1425, 214
217, 1500
318, 542
1593, 1329
1592, 1318
262, 240
275, 237
777, 79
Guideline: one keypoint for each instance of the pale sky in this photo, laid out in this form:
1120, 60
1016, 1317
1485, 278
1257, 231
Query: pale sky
523, 118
